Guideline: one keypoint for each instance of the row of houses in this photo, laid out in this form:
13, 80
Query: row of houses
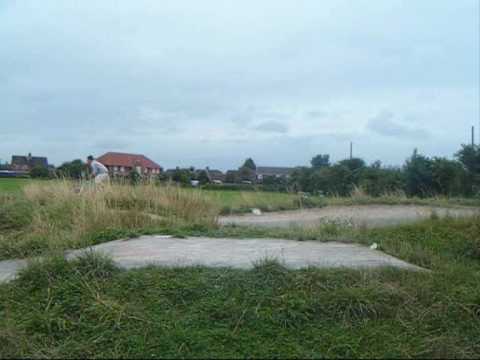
23, 164
121, 164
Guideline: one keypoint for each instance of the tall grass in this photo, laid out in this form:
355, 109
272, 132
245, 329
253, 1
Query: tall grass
58, 215
61, 214
234, 202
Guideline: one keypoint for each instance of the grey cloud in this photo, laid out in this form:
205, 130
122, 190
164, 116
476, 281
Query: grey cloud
272, 127
153, 71
384, 124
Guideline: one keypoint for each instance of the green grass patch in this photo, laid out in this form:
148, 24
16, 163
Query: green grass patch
89, 308
235, 202
13, 184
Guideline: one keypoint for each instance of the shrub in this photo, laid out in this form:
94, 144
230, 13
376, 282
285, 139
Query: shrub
39, 172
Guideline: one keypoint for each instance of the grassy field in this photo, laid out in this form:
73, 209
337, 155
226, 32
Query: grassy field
53, 215
12, 184
89, 308
234, 202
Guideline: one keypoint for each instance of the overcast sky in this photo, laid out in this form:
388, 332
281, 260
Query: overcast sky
213, 82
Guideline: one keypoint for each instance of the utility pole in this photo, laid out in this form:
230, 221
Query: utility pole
351, 150
473, 136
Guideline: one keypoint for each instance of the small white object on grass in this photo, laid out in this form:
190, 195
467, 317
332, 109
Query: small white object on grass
374, 246
256, 212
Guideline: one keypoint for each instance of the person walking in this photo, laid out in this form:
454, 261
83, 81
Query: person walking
98, 171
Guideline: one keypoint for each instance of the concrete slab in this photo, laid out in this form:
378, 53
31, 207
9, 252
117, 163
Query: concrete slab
358, 215
10, 268
236, 253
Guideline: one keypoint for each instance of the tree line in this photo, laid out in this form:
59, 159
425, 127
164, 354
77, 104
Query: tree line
419, 176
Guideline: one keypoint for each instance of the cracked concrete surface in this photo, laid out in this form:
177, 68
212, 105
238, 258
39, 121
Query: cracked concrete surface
236, 253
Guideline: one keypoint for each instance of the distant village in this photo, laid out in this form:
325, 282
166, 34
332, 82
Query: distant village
124, 164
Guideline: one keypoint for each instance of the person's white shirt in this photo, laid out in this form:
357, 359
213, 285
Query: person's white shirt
98, 168
100, 171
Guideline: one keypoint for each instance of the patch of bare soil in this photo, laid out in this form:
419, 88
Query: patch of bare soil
362, 215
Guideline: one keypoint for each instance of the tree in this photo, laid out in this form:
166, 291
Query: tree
203, 177
182, 176
418, 174
250, 164
321, 160
448, 177
300, 179
469, 156
339, 179
39, 172
377, 181
353, 164
74, 169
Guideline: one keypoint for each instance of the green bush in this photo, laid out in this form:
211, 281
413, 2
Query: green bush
39, 172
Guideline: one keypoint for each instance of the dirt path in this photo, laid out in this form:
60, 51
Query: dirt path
367, 215
236, 253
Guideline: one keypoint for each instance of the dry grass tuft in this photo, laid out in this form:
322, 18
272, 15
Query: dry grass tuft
64, 214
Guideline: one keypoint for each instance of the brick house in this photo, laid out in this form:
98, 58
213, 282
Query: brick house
24, 164
122, 164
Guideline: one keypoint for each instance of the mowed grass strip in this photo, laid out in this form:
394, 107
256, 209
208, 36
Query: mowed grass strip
13, 185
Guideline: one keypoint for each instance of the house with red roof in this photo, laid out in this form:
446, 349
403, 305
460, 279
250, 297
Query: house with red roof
123, 164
